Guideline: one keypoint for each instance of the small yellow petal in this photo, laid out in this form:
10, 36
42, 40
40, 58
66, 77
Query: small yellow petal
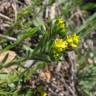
61, 22
69, 39
72, 40
60, 44
44, 94
73, 45
75, 38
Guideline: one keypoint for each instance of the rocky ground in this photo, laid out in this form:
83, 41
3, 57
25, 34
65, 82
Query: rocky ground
56, 79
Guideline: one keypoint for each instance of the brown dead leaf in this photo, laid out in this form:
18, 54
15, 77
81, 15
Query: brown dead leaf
9, 69
45, 75
10, 56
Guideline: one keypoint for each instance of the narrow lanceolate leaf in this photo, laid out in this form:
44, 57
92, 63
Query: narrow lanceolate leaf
25, 11
89, 6
7, 56
28, 33
88, 26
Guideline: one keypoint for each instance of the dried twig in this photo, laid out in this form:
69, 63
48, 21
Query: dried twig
28, 2
72, 57
5, 17
69, 88
5, 25
78, 15
58, 67
7, 37
15, 10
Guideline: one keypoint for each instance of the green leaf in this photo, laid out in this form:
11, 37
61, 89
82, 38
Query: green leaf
28, 33
89, 6
88, 26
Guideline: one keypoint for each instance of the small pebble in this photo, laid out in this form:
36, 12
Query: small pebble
85, 45
90, 61
82, 51
90, 43
91, 55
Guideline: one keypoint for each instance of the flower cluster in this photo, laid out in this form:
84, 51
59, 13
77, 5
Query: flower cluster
63, 41
60, 22
72, 40
60, 45
60, 26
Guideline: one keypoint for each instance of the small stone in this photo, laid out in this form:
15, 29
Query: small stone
82, 51
57, 91
45, 75
91, 55
61, 94
90, 61
53, 79
90, 43
94, 60
28, 63
85, 45
62, 80
54, 83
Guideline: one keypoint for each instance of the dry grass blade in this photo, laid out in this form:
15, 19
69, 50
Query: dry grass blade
7, 37
5, 17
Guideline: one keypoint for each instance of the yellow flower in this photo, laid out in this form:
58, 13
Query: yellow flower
62, 26
69, 39
60, 44
61, 23
44, 94
73, 45
75, 38
72, 40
